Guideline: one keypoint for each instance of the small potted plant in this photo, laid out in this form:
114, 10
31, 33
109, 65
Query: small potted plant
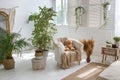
116, 40
108, 44
10, 42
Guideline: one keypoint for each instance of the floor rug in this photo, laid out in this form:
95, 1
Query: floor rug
89, 72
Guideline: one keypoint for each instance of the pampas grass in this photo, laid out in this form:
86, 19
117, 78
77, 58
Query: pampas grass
88, 47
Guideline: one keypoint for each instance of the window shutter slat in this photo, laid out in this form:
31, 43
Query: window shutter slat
94, 13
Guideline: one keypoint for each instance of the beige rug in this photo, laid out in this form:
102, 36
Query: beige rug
89, 72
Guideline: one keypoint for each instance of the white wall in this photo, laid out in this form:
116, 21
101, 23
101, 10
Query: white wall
26, 7
100, 36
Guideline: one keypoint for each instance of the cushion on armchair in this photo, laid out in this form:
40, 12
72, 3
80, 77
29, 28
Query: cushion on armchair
69, 45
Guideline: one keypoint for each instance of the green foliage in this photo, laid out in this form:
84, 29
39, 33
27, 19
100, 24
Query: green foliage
10, 42
44, 28
108, 42
105, 4
116, 38
80, 9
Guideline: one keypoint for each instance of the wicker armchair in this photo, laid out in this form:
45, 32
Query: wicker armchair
65, 58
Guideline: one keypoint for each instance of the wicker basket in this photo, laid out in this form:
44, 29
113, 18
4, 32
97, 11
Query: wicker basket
38, 63
9, 63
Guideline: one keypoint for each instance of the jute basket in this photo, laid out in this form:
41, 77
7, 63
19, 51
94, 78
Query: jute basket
9, 63
38, 63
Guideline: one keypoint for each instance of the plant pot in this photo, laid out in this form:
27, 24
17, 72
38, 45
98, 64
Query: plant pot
114, 46
1, 62
88, 59
9, 63
108, 45
45, 54
117, 43
38, 63
38, 53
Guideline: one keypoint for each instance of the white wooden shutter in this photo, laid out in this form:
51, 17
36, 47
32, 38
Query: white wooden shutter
94, 15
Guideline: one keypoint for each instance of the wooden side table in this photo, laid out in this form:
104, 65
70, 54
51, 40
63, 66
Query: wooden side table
109, 51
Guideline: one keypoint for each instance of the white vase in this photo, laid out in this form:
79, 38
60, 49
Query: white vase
117, 43
45, 54
108, 45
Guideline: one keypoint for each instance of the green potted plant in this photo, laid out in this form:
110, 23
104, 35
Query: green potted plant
44, 28
108, 44
10, 42
116, 40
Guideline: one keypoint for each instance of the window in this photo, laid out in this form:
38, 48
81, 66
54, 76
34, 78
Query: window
60, 7
117, 18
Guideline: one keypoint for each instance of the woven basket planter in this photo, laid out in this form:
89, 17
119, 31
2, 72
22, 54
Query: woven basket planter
38, 63
9, 63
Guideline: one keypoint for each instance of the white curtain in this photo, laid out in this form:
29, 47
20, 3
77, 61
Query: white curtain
60, 7
117, 18
12, 18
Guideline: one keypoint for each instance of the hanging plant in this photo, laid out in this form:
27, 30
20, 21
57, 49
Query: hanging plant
105, 12
105, 4
79, 11
105, 8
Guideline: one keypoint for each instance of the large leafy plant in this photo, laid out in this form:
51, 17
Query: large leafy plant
44, 28
10, 42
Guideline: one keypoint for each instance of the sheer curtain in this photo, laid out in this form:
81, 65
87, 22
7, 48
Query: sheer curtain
60, 7
117, 18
